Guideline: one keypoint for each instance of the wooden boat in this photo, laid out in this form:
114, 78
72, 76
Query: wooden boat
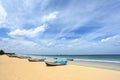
16, 56
36, 60
23, 57
55, 63
55, 58
12, 55
70, 59
52, 64
19, 56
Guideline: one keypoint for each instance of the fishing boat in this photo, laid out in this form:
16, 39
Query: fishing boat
19, 56
13, 55
23, 57
36, 60
70, 59
56, 63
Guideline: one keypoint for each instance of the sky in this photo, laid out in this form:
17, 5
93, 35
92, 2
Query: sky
66, 27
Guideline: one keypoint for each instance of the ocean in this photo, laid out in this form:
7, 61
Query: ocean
90, 58
102, 61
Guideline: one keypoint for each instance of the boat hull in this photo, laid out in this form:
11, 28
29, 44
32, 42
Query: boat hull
36, 60
53, 64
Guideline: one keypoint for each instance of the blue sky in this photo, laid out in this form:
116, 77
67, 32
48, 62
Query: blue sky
60, 26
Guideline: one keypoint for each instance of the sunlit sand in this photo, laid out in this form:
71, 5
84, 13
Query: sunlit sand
21, 69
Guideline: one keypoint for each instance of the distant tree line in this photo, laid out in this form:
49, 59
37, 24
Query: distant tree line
2, 53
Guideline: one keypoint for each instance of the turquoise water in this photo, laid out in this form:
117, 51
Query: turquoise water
101, 61
88, 58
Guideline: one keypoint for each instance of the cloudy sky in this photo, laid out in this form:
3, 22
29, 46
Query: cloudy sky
60, 26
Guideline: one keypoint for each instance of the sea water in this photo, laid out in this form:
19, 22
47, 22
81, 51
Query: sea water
90, 58
103, 61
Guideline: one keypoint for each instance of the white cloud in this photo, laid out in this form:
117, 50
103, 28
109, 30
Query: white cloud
3, 14
113, 38
19, 46
75, 41
32, 3
49, 17
51, 44
28, 33
69, 21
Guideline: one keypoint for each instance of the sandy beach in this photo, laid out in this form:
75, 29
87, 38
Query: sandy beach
21, 69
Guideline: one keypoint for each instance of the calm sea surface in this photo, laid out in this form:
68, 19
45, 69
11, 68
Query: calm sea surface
90, 58
102, 61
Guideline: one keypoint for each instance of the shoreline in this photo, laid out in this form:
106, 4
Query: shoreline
97, 65
89, 63
22, 69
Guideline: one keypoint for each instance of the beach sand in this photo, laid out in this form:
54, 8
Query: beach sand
21, 69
